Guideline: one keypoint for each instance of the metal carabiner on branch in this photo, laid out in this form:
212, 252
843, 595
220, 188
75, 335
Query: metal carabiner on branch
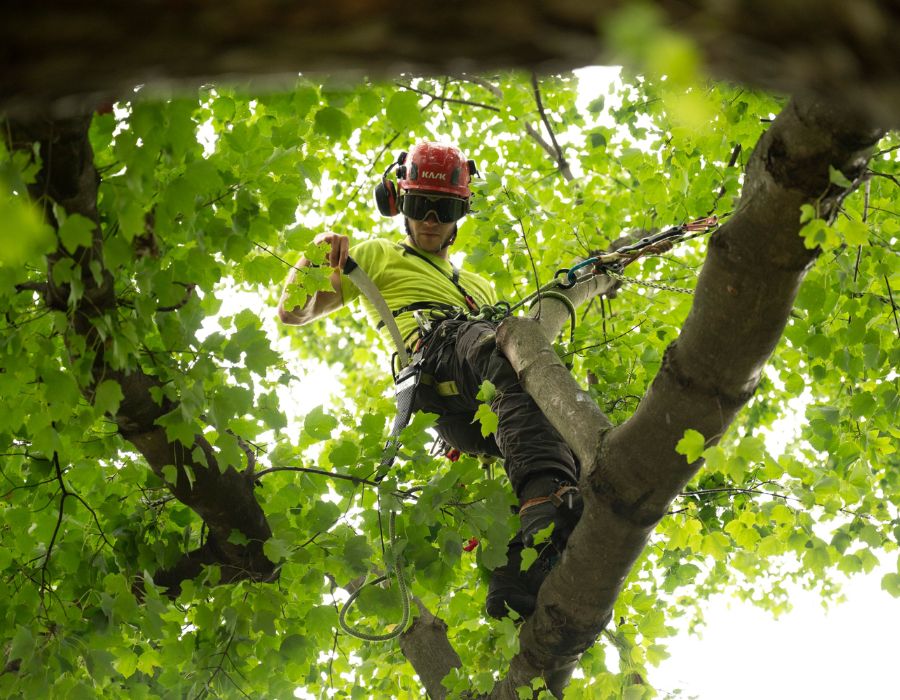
571, 277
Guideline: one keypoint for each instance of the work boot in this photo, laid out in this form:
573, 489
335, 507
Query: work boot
509, 586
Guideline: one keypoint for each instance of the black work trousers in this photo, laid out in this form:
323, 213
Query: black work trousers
465, 352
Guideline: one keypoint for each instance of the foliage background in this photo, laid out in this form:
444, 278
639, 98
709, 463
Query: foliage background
218, 192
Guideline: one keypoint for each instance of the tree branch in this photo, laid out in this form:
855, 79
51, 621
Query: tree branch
556, 153
753, 271
427, 648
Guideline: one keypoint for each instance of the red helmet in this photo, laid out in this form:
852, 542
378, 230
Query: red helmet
435, 167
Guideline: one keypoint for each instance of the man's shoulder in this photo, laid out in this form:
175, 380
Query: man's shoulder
373, 247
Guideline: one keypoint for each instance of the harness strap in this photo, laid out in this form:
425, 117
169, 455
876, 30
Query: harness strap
454, 277
421, 306
563, 494
447, 388
406, 384
368, 289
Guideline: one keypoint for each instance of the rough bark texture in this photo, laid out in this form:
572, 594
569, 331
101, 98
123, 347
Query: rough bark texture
224, 499
55, 50
426, 647
753, 271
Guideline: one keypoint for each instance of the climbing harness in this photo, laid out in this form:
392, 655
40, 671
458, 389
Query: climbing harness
409, 375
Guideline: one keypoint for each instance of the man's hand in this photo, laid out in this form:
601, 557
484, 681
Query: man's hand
337, 256
321, 302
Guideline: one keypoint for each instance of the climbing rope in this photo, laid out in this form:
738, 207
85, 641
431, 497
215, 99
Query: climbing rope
393, 563
646, 283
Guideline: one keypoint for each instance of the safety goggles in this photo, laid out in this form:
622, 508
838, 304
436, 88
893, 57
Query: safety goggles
446, 209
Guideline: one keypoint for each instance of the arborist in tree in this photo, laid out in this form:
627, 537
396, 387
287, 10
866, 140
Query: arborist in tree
453, 353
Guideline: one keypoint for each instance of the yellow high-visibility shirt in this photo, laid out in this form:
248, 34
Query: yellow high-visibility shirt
405, 279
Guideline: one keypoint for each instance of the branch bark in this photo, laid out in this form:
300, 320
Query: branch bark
427, 648
56, 54
747, 286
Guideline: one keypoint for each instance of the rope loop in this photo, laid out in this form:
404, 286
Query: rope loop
395, 566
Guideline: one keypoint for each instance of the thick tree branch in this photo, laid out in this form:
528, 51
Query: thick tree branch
571, 409
426, 647
55, 50
747, 286
556, 152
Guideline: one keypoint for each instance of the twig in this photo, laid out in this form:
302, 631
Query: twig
321, 472
25, 486
206, 689
188, 292
735, 153
276, 256
93, 515
62, 503
887, 176
481, 82
229, 190
606, 341
452, 100
537, 280
727, 490
368, 172
561, 163
893, 305
886, 150
32, 287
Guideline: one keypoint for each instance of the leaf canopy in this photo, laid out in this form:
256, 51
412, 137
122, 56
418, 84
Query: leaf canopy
204, 203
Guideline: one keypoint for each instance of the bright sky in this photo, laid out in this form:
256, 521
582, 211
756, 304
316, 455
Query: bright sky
850, 651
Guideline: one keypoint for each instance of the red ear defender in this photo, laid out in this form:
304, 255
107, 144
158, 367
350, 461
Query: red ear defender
386, 190
386, 197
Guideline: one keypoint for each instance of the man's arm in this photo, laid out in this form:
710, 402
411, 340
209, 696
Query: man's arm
321, 302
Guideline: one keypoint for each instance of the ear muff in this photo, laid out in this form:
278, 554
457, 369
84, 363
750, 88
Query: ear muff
386, 191
386, 197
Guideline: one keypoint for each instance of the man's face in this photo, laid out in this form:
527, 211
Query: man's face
430, 235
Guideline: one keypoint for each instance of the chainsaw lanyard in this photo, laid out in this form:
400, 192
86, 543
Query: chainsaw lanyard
454, 277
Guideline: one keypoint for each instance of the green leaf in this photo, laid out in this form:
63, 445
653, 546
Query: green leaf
126, 662
357, 553
691, 445
318, 424
487, 419
76, 231
486, 392
24, 235
276, 549
223, 108
543, 534
344, 454
108, 396
807, 213
529, 556
891, 584
237, 537
333, 123
837, 177
22, 645
403, 110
